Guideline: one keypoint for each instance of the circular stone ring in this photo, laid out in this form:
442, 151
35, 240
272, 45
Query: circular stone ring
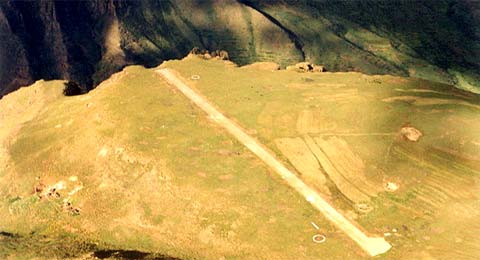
195, 77
319, 239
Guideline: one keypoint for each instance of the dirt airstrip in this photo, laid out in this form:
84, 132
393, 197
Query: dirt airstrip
372, 245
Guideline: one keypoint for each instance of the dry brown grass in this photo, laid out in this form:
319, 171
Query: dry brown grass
343, 184
20, 107
349, 164
265, 65
303, 160
309, 122
334, 155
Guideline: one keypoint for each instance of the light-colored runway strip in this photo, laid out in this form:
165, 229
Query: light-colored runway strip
372, 245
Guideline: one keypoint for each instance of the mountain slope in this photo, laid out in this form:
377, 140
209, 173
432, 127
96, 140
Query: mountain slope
86, 41
74, 40
436, 40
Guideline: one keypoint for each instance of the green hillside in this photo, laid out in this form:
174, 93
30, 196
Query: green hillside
87, 41
136, 166
434, 40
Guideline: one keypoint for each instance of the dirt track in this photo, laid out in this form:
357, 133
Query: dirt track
372, 245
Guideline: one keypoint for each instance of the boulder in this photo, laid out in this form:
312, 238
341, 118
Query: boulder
207, 56
214, 53
318, 68
410, 133
291, 68
304, 66
223, 55
195, 51
220, 54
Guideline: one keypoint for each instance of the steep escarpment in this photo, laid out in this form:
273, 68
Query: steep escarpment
86, 41
153, 31
14, 69
57, 40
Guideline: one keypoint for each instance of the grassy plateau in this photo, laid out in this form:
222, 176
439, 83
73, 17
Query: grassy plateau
136, 166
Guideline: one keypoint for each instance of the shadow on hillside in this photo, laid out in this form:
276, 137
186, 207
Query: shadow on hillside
45, 247
129, 254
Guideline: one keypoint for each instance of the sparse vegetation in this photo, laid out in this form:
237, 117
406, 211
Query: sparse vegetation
432, 174
73, 89
170, 181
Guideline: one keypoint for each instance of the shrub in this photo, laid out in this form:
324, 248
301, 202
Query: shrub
73, 89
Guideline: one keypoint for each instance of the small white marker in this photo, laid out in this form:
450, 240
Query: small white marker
310, 198
319, 238
315, 226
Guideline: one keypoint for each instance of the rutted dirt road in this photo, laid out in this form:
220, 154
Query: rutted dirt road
372, 245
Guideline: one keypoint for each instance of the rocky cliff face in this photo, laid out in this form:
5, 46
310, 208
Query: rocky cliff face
14, 67
86, 41
53, 40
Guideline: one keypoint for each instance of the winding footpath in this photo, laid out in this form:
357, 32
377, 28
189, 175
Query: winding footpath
372, 245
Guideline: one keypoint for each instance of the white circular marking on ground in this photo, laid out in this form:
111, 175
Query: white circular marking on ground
319, 239
195, 77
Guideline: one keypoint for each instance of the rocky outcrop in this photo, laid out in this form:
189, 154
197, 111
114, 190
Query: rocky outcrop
306, 67
216, 54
